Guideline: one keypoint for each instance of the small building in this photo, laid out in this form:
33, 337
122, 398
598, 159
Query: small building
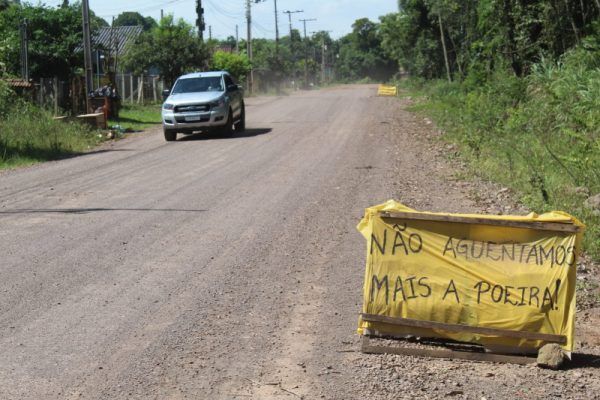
109, 44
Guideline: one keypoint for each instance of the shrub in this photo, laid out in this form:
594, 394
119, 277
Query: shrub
537, 134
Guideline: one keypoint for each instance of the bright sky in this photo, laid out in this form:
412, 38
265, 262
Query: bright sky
223, 15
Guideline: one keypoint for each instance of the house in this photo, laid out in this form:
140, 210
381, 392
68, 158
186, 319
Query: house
109, 44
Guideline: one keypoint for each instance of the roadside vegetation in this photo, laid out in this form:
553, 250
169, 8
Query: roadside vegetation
137, 117
546, 145
28, 134
517, 86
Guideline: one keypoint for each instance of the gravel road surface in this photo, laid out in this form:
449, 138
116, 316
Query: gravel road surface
215, 268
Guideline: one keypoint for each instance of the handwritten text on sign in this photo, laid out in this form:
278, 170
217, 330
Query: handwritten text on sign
491, 276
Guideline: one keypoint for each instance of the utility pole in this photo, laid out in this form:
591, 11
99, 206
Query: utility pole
112, 56
304, 21
276, 27
200, 20
237, 39
323, 48
24, 50
87, 51
210, 32
162, 14
289, 13
249, 45
97, 68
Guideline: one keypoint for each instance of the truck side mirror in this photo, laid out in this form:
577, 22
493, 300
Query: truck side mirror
166, 93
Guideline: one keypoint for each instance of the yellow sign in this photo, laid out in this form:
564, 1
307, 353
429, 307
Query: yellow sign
503, 272
385, 90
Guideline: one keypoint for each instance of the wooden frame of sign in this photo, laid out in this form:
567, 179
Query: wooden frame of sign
537, 225
368, 348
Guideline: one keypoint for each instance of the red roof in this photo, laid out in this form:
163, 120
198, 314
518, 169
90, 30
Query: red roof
18, 83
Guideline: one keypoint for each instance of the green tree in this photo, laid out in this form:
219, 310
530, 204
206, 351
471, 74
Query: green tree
473, 38
4, 4
133, 18
229, 42
173, 47
237, 65
54, 39
361, 54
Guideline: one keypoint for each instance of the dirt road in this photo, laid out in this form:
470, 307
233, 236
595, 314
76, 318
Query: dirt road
219, 268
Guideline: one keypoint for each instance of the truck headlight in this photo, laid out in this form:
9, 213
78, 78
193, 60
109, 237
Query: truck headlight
220, 102
168, 106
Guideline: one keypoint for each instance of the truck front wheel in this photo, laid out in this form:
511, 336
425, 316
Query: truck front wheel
229, 128
170, 136
241, 125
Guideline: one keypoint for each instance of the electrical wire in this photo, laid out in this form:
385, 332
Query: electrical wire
262, 28
144, 9
223, 12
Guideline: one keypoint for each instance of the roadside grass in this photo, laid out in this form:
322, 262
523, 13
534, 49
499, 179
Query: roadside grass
29, 135
137, 117
539, 135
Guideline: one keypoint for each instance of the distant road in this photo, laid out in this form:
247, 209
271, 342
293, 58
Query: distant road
206, 268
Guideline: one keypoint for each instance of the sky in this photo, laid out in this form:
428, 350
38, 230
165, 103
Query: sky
336, 16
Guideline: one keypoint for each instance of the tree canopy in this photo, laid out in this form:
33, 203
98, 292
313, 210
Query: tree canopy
173, 47
133, 18
361, 55
454, 38
54, 35
237, 65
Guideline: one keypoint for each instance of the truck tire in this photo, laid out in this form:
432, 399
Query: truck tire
241, 124
170, 136
228, 129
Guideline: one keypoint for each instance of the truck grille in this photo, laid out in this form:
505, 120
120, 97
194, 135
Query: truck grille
193, 108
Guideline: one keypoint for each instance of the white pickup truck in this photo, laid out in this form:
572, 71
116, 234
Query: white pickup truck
203, 101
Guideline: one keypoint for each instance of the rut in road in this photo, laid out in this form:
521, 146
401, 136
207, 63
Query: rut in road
209, 267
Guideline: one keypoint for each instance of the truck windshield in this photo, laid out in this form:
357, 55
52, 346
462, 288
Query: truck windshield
202, 84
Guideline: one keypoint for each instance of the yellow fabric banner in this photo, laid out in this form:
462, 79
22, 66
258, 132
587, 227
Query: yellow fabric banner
483, 275
386, 90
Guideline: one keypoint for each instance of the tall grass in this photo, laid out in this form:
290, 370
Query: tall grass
539, 135
28, 134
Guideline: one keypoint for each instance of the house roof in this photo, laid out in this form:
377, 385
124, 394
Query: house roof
119, 37
18, 83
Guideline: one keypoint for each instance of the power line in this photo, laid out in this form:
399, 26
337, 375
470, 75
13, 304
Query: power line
224, 12
261, 28
144, 9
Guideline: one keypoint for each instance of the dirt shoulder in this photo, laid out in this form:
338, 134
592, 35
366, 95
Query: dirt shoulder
431, 177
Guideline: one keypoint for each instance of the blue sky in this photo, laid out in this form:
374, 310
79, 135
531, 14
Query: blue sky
332, 15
